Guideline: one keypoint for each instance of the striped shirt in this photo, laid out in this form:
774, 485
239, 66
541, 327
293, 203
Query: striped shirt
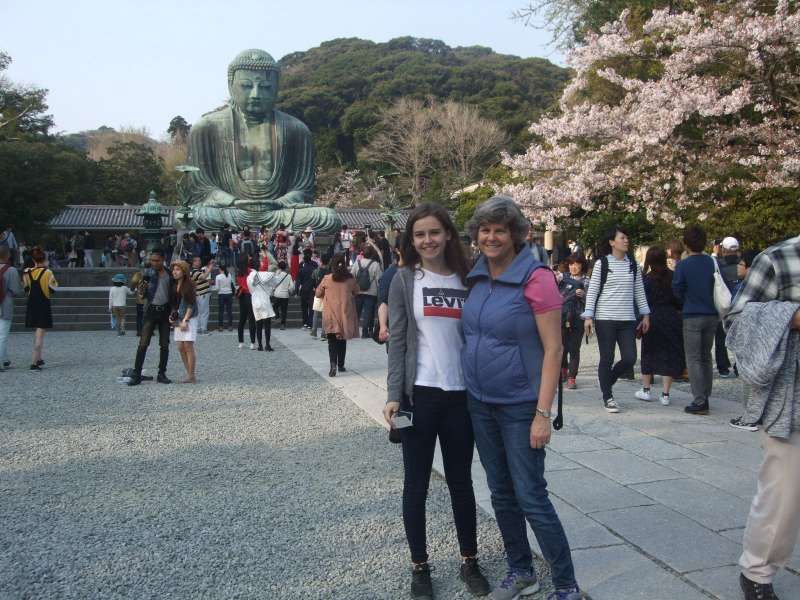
202, 282
619, 291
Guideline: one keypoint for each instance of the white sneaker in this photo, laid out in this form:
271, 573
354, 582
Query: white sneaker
241, 345
643, 394
252, 346
611, 405
664, 400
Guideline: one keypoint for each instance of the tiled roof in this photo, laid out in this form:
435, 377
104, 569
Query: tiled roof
358, 218
100, 217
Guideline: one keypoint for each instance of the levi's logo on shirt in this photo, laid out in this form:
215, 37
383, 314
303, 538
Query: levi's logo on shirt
443, 302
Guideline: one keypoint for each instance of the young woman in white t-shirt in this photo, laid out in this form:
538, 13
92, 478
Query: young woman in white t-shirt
425, 378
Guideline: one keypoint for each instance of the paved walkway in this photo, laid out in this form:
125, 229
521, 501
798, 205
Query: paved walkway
654, 501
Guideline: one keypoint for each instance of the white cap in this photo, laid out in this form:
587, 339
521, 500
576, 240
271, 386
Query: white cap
730, 243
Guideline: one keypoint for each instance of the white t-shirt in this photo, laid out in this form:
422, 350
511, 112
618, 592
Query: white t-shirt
438, 303
347, 239
223, 284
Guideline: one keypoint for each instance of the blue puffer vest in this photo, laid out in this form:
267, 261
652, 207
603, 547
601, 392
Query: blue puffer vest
502, 355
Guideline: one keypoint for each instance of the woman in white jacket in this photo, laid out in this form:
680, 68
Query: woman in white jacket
261, 284
284, 287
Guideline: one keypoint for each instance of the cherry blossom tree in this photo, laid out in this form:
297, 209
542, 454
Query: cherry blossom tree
676, 112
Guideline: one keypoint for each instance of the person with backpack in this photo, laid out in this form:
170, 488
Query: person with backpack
305, 287
367, 271
317, 277
39, 283
573, 290
616, 293
693, 286
8, 240
284, 287
10, 288
511, 360
425, 379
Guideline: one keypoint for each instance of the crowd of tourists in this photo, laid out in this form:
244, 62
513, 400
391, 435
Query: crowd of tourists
477, 347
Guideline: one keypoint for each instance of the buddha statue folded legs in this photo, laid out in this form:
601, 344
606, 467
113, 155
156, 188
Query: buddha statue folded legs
255, 164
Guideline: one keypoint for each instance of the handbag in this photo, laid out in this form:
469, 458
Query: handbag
722, 295
318, 304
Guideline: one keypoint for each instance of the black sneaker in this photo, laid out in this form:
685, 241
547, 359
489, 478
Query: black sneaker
163, 378
135, 379
342, 369
36, 368
696, 408
40, 363
470, 574
421, 586
756, 591
6, 364
270, 348
740, 423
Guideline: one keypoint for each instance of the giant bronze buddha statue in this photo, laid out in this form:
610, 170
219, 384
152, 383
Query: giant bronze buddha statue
256, 164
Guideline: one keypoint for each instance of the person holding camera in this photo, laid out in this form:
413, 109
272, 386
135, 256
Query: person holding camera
156, 285
426, 380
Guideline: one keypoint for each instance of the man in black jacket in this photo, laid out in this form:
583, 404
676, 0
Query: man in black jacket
305, 288
158, 284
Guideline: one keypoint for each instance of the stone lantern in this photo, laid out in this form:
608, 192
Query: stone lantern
153, 213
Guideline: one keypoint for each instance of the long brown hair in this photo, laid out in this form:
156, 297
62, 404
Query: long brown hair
184, 288
339, 270
454, 255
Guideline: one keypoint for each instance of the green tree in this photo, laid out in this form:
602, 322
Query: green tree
178, 129
23, 109
129, 173
37, 179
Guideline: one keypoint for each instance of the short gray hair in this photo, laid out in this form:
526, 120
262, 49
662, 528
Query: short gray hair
500, 210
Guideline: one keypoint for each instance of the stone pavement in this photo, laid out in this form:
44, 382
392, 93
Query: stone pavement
654, 501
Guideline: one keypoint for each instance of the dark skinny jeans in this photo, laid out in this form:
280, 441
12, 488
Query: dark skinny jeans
246, 316
226, 305
571, 338
264, 328
441, 414
609, 335
281, 306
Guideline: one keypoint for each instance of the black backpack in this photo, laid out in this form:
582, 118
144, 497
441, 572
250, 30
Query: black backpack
363, 278
634, 268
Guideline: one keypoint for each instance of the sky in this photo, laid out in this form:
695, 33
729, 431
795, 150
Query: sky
139, 63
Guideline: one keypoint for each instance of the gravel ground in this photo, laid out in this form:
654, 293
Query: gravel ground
261, 481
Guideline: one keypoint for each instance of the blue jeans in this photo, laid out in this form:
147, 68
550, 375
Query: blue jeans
515, 473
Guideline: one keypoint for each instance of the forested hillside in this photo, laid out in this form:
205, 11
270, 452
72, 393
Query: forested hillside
340, 88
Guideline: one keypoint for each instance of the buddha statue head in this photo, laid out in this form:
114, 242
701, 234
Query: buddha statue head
253, 84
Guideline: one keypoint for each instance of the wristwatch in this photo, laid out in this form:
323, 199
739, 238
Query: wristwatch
545, 413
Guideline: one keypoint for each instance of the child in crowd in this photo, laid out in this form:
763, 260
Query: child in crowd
117, 300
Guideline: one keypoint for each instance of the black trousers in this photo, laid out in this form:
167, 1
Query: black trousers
441, 414
139, 318
155, 317
571, 338
609, 335
721, 351
225, 305
246, 316
306, 304
264, 327
337, 349
281, 306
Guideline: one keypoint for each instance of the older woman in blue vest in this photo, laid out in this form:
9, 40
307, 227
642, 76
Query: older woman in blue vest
511, 361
